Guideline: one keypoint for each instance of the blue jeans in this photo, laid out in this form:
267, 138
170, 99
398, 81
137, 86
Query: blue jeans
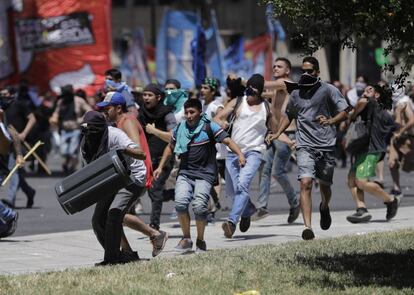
238, 181
14, 181
6, 213
277, 158
17, 181
197, 191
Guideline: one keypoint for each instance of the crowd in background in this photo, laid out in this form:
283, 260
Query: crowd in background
257, 106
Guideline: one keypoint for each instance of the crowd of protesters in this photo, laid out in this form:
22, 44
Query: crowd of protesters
199, 140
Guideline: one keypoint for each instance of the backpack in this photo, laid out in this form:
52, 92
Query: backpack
358, 135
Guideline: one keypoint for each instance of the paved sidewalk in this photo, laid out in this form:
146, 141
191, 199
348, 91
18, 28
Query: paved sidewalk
80, 249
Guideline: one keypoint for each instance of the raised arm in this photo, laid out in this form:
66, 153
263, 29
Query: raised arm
278, 84
222, 114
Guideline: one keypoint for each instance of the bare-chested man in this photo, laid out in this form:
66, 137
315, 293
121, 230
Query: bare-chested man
278, 155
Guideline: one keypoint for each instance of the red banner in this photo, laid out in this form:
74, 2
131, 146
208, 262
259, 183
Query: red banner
59, 42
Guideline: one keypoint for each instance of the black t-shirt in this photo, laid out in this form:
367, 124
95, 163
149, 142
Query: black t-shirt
16, 114
382, 127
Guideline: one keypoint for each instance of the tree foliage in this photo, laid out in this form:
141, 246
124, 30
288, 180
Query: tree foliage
321, 22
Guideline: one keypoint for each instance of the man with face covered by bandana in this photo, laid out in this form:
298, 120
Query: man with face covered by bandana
113, 82
317, 108
159, 121
98, 138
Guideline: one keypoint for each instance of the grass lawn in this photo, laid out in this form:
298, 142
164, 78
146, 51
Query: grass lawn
381, 263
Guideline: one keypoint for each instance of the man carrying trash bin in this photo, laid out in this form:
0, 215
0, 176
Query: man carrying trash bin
98, 139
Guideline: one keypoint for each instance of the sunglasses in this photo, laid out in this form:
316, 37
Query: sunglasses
308, 71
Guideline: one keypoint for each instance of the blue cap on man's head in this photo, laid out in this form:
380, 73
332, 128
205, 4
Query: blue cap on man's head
112, 99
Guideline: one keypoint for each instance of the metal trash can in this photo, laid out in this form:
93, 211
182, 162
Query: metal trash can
102, 177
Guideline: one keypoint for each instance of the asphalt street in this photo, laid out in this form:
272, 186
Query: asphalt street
48, 217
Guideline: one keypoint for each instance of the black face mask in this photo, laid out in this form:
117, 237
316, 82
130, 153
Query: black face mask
308, 81
250, 91
5, 102
308, 85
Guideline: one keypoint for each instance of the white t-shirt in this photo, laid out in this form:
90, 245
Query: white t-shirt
118, 139
211, 110
212, 107
249, 128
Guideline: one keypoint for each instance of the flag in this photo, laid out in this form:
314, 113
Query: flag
173, 52
274, 26
198, 49
259, 52
134, 65
214, 51
235, 61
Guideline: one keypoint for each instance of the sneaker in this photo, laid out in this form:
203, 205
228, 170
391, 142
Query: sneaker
361, 215
229, 228
326, 219
308, 234
185, 245
244, 224
11, 226
158, 243
392, 208
293, 214
201, 246
30, 198
260, 214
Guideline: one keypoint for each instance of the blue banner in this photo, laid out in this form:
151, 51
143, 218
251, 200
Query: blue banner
198, 49
173, 52
273, 25
214, 51
134, 65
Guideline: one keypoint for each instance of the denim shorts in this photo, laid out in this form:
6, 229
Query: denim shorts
316, 164
194, 191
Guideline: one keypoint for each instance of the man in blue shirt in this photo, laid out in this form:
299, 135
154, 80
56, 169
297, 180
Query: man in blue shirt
194, 141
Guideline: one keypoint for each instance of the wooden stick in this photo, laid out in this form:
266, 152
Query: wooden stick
43, 164
17, 166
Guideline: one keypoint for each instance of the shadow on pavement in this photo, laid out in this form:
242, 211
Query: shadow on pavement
385, 269
14, 241
249, 237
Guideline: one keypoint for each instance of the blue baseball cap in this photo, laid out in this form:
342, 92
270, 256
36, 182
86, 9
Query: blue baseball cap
112, 98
